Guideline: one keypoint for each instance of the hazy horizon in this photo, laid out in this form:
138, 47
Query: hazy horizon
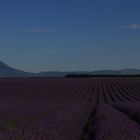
76, 35
95, 70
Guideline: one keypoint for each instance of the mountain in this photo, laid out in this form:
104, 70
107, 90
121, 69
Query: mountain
118, 72
106, 72
8, 71
51, 74
130, 71
58, 74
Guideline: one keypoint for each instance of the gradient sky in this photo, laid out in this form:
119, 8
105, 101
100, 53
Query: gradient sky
69, 35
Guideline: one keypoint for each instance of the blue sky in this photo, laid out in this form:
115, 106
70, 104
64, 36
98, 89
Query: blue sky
69, 35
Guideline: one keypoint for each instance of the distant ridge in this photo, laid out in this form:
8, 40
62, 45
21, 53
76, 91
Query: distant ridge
118, 72
8, 71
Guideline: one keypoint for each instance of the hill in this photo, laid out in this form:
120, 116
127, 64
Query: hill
8, 71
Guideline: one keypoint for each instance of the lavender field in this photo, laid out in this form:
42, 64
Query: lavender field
70, 109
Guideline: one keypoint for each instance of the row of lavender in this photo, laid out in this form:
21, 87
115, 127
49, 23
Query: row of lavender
42, 109
117, 114
59, 109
